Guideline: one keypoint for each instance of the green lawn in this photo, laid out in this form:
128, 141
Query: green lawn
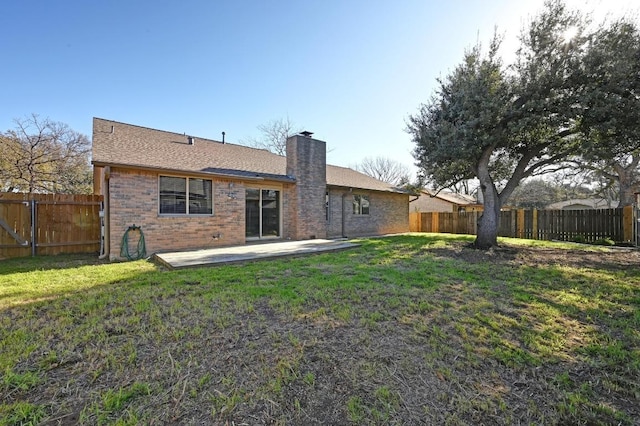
402, 330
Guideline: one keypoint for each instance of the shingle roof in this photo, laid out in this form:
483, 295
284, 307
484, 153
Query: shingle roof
122, 144
349, 178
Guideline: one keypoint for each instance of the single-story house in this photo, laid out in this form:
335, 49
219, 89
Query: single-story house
445, 201
583, 204
187, 192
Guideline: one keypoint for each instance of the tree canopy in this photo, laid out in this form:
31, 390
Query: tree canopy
41, 155
502, 125
610, 100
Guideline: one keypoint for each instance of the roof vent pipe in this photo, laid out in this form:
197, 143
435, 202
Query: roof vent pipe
113, 129
191, 140
223, 133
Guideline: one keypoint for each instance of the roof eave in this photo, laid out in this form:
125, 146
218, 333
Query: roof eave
390, 190
285, 179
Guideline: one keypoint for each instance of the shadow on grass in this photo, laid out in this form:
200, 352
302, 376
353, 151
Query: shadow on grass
62, 261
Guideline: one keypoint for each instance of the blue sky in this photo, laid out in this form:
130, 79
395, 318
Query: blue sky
351, 71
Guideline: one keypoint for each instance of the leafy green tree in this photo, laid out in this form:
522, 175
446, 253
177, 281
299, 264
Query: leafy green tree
44, 156
503, 127
611, 106
534, 194
539, 193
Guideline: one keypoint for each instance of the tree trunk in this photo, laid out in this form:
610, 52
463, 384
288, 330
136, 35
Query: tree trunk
489, 221
628, 181
627, 193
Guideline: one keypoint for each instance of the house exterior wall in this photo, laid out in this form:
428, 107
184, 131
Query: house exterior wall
388, 214
306, 162
334, 219
133, 199
431, 204
289, 217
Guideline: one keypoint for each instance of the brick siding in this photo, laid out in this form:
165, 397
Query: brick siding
134, 200
388, 214
306, 161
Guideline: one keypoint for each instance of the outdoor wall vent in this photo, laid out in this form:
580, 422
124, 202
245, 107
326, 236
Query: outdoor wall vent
191, 140
306, 133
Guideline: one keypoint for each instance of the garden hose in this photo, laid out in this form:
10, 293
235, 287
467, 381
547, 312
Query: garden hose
141, 249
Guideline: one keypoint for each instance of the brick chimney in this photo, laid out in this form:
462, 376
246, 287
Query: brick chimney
307, 163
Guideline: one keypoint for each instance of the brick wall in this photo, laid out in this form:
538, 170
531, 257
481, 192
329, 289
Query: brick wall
133, 199
306, 161
334, 224
388, 214
289, 217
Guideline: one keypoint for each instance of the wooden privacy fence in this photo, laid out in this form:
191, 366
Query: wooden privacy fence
48, 224
565, 225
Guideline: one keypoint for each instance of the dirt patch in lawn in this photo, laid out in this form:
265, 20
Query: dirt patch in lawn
514, 335
610, 259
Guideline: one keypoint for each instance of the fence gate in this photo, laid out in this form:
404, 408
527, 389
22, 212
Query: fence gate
15, 228
49, 224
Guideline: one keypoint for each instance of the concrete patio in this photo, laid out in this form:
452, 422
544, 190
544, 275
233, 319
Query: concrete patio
249, 252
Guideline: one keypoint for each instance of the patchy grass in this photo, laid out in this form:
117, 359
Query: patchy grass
402, 330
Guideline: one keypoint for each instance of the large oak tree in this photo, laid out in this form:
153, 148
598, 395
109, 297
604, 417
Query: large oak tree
502, 125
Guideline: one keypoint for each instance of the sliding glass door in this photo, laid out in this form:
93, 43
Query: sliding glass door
262, 213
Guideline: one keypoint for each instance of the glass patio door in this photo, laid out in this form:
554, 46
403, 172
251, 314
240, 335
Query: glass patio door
262, 213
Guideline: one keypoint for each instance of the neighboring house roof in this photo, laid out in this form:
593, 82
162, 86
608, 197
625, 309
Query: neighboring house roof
452, 197
141, 147
582, 204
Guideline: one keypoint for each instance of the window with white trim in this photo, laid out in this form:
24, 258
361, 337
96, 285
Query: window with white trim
188, 196
360, 204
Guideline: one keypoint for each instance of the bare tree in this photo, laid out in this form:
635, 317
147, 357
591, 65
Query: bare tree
44, 156
274, 135
385, 169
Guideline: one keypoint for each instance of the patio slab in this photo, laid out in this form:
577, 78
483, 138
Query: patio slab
249, 252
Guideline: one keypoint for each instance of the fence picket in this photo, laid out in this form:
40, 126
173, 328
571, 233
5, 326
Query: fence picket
563, 225
63, 223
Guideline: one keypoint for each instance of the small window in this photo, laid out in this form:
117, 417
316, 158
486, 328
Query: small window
326, 206
360, 204
190, 196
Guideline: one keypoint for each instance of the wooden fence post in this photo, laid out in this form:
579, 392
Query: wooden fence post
454, 223
627, 223
475, 222
34, 224
413, 218
520, 224
534, 224
434, 222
